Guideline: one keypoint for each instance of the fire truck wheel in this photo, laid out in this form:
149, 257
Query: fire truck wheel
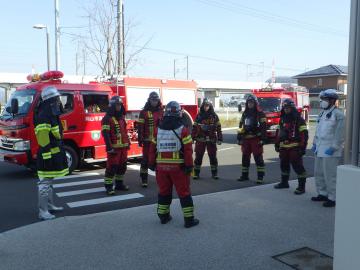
72, 158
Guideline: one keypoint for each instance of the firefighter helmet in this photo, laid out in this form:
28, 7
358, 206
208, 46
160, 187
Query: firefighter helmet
251, 98
173, 108
49, 92
154, 96
115, 100
329, 93
288, 102
206, 101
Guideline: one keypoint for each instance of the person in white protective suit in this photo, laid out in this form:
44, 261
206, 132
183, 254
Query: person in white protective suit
328, 147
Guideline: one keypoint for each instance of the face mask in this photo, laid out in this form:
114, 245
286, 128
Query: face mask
324, 104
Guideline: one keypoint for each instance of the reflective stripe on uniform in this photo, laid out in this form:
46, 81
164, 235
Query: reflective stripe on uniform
188, 211
260, 169
169, 160
108, 181
187, 139
55, 150
290, 145
302, 128
56, 132
141, 120
105, 127
53, 174
119, 177
163, 209
42, 134
46, 155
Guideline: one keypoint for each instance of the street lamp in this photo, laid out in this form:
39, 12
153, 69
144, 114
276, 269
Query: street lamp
43, 26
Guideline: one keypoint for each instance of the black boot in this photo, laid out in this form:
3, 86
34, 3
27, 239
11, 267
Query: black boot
163, 208
109, 189
260, 180
190, 222
188, 210
214, 173
244, 177
196, 173
301, 187
119, 185
284, 182
319, 198
144, 180
164, 218
329, 203
282, 185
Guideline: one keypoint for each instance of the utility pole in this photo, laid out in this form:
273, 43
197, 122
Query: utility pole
174, 68
57, 36
120, 38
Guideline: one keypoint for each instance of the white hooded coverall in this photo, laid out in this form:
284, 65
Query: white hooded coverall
330, 132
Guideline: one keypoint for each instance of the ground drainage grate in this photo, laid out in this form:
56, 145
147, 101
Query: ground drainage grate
305, 259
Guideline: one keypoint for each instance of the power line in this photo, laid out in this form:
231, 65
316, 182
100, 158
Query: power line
226, 61
264, 15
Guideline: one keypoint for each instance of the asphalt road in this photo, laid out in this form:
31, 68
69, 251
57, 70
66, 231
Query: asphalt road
82, 193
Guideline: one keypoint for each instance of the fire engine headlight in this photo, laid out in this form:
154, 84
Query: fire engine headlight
22, 146
274, 127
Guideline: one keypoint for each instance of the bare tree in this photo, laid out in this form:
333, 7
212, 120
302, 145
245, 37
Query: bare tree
100, 38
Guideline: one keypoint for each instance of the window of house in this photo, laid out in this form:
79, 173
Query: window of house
67, 101
95, 103
319, 82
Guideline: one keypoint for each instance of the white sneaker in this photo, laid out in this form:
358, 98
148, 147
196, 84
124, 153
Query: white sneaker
55, 208
45, 215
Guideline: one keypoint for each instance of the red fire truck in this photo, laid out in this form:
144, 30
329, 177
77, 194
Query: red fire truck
84, 107
270, 100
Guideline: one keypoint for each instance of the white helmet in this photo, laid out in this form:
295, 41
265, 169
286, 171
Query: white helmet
49, 92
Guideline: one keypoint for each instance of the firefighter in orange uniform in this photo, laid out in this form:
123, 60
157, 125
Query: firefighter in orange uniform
148, 123
117, 144
251, 137
291, 142
171, 156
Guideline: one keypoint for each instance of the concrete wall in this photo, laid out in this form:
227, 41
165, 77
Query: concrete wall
347, 219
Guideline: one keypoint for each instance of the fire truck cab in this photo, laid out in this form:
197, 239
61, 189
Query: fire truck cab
270, 101
84, 106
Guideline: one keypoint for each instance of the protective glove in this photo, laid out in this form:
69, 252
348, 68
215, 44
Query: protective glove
140, 143
302, 151
313, 148
240, 142
219, 142
330, 151
277, 148
188, 170
261, 142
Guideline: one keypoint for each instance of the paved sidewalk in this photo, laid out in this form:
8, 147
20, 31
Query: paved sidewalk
239, 229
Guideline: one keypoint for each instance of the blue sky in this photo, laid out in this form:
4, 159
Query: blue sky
241, 34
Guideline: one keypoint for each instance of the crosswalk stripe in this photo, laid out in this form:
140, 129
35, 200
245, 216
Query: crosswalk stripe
137, 167
79, 192
79, 183
77, 176
105, 200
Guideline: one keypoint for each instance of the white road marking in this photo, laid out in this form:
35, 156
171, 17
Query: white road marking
230, 128
79, 183
224, 149
77, 176
137, 167
79, 192
105, 200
